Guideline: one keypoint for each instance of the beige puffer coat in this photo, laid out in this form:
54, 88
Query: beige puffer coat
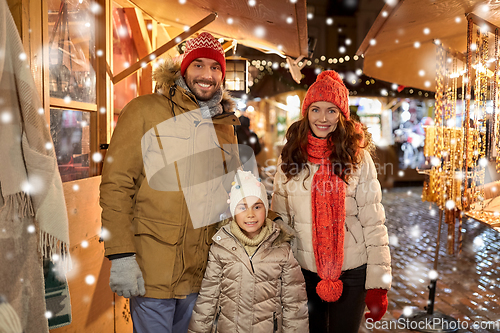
262, 294
366, 240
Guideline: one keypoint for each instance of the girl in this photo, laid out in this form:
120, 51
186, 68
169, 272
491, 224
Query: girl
326, 188
253, 282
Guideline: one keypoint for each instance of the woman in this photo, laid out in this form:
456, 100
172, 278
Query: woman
326, 187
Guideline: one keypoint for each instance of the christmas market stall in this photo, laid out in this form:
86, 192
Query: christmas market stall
451, 47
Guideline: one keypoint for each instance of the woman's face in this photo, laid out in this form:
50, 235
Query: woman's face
323, 118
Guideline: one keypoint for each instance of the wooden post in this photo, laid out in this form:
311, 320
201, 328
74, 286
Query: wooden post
104, 87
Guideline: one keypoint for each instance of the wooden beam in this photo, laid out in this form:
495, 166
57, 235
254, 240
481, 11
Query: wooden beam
153, 32
377, 26
104, 87
140, 33
163, 36
227, 46
173, 42
479, 21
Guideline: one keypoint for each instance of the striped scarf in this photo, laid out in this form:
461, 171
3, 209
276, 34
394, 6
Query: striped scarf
328, 218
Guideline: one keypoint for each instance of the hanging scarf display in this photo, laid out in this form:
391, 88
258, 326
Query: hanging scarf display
328, 218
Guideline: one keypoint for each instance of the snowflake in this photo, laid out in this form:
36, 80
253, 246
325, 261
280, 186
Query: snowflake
95, 8
415, 231
90, 279
407, 311
433, 275
478, 243
97, 157
260, 32
105, 234
393, 240
450, 204
6, 117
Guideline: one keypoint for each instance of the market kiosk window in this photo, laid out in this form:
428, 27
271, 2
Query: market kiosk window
72, 85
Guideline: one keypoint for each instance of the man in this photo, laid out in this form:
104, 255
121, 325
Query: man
158, 255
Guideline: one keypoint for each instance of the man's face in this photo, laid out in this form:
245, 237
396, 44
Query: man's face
203, 77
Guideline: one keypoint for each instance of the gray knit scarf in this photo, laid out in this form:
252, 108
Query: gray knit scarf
209, 108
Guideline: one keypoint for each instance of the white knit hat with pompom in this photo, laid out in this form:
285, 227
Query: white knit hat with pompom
246, 185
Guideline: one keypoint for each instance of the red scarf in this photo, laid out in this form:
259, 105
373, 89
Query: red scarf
328, 218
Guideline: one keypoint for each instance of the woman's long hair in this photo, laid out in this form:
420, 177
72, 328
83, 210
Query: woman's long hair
346, 143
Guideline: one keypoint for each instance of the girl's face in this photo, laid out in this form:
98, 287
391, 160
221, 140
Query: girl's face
250, 215
323, 118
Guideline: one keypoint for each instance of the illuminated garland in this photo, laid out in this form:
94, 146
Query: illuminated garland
459, 154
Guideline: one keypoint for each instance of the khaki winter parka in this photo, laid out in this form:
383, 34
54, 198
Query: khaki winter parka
154, 221
264, 293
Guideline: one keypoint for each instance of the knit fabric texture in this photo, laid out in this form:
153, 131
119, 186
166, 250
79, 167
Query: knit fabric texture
376, 301
328, 218
251, 244
204, 46
246, 185
328, 87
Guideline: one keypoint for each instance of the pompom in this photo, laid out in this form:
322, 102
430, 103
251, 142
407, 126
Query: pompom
329, 74
329, 291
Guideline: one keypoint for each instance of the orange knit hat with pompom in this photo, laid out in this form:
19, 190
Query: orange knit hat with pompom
328, 88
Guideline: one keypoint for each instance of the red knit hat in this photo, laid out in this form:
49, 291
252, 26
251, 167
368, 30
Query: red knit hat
328, 88
204, 46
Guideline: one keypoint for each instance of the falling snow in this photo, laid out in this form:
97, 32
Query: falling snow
259, 32
408, 311
415, 231
393, 240
105, 234
6, 117
90, 279
97, 157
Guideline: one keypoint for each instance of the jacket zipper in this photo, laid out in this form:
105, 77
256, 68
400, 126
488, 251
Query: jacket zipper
250, 258
275, 322
352, 234
216, 320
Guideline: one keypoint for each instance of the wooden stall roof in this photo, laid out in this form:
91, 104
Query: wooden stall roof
401, 24
263, 26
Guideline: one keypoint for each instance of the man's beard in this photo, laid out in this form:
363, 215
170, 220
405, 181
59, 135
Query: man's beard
198, 93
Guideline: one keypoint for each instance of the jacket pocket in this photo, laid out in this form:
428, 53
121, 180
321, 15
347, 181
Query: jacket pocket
352, 234
163, 232
156, 248
275, 322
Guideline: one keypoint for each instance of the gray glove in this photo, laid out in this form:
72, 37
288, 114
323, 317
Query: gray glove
125, 278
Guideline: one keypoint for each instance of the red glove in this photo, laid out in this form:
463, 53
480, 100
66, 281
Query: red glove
376, 301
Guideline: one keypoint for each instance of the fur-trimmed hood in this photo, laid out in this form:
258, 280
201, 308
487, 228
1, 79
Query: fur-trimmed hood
286, 233
168, 72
